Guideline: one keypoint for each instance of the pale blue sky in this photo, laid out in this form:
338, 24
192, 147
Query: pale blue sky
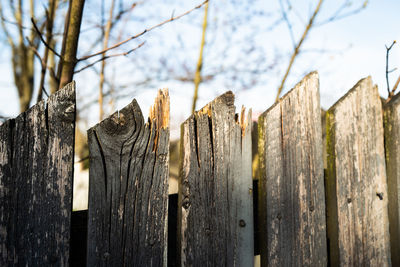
359, 41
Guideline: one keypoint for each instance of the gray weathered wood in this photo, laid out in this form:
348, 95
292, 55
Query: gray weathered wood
36, 172
215, 206
392, 148
357, 199
128, 187
291, 187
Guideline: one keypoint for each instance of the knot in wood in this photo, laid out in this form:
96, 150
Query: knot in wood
349, 200
186, 203
279, 216
242, 223
65, 112
380, 195
119, 119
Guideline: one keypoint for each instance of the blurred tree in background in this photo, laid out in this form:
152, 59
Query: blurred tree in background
236, 52
23, 31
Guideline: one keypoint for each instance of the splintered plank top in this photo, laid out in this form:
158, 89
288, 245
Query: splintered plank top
128, 187
215, 188
358, 228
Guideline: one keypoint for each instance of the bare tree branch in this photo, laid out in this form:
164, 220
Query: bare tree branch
18, 18
110, 56
49, 36
125, 21
387, 66
35, 51
297, 48
197, 77
142, 33
5, 29
114, 22
42, 64
275, 24
395, 87
53, 74
16, 24
295, 11
42, 39
124, 11
69, 60
63, 45
288, 23
106, 36
338, 16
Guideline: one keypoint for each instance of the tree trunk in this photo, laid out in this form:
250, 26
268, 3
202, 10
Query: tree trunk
23, 70
71, 45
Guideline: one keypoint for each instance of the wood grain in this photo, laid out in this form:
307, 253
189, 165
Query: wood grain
392, 149
36, 173
128, 187
291, 187
215, 206
357, 199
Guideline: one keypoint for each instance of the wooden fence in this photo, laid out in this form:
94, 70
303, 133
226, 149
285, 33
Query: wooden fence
36, 173
294, 214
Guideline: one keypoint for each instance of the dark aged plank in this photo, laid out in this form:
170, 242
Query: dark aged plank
215, 203
291, 187
357, 199
392, 146
36, 172
128, 187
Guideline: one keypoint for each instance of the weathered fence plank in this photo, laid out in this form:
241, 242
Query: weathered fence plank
392, 148
128, 187
357, 199
215, 206
291, 187
36, 172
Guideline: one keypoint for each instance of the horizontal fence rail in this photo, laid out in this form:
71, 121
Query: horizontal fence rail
243, 189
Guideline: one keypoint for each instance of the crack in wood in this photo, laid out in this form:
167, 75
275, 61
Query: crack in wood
196, 140
37, 186
135, 208
212, 169
103, 160
292, 223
